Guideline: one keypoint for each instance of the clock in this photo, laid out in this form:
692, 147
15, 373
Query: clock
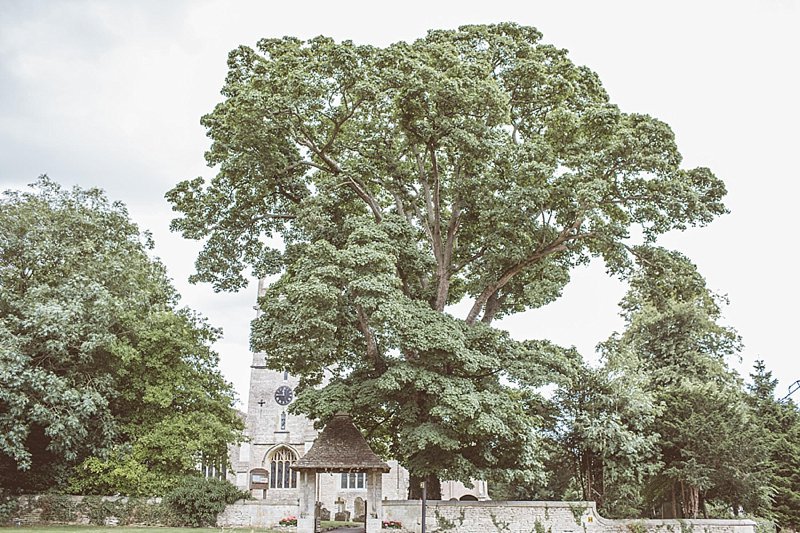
283, 395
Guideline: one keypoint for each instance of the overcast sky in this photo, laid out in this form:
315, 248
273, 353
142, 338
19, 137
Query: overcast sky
110, 94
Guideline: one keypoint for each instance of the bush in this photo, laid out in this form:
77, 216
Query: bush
391, 524
197, 501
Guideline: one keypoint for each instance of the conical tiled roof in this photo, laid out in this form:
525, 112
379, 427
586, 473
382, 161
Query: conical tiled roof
341, 448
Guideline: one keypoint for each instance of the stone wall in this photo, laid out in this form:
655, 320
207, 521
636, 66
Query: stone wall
539, 517
255, 513
83, 510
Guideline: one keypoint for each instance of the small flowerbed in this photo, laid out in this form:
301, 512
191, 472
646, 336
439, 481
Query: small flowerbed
288, 521
391, 524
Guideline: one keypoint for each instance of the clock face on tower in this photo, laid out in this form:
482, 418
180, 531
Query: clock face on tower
283, 395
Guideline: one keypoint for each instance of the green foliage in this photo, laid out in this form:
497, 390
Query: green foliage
98, 367
99, 510
474, 163
764, 525
499, 524
197, 501
442, 522
9, 505
708, 440
779, 429
577, 512
602, 433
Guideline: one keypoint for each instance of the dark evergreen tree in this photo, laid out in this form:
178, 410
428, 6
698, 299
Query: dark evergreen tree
709, 445
780, 430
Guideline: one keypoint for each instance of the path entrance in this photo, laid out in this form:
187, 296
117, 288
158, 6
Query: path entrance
340, 448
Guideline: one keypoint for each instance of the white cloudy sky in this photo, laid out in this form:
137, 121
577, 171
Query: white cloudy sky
110, 93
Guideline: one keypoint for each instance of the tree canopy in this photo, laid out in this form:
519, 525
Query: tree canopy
381, 185
779, 426
98, 365
709, 441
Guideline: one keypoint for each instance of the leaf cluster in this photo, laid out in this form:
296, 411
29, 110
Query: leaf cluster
98, 363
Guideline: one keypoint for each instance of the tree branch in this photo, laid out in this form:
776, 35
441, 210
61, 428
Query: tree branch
470, 259
557, 245
372, 345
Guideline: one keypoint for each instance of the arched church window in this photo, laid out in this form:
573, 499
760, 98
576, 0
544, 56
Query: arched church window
285, 375
283, 421
280, 474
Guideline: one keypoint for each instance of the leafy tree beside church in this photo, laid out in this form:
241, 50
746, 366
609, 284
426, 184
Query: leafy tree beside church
382, 185
106, 385
779, 425
709, 444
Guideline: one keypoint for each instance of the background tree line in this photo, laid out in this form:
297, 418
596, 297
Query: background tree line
663, 426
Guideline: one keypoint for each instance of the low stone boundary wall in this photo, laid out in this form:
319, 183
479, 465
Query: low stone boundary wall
250, 513
83, 510
539, 517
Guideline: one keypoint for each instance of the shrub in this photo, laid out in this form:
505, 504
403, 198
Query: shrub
197, 501
391, 524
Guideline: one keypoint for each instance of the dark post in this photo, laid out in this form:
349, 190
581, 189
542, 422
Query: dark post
424, 505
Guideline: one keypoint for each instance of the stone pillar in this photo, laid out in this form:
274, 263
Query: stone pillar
374, 501
308, 499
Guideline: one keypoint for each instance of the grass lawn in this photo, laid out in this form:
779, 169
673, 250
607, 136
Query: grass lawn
122, 529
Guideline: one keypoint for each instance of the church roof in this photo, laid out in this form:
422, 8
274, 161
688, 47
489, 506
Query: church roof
341, 448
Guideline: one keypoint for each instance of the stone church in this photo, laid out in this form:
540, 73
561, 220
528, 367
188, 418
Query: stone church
276, 439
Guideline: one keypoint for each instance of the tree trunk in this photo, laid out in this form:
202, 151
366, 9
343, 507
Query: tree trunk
433, 487
674, 503
693, 503
589, 488
690, 500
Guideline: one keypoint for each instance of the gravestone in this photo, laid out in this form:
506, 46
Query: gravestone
360, 510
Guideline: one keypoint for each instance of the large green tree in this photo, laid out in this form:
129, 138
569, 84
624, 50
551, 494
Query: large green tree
97, 363
604, 434
708, 440
779, 422
476, 164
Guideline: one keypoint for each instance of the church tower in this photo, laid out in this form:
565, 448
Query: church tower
276, 438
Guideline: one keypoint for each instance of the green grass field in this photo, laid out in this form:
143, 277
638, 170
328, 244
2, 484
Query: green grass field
123, 529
